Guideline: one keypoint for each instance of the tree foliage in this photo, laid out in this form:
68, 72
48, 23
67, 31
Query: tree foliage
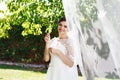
23, 27
31, 15
88, 12
24, 23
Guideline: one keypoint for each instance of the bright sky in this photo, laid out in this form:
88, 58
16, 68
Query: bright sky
3, 7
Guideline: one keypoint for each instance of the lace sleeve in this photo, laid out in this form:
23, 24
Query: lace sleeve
69, 47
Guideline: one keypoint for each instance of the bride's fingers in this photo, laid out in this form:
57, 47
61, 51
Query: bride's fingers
50, 49
47, 37
48, 34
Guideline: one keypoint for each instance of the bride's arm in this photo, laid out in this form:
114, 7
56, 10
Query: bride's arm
46, 51
63, 57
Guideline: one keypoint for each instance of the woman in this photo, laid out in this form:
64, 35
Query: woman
60, 54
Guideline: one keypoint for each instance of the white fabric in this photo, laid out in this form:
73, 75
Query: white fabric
57, 70
97, 45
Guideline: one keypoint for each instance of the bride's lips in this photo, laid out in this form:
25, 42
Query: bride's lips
61, 30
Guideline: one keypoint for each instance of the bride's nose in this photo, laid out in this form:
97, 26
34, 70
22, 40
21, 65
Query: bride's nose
62, 27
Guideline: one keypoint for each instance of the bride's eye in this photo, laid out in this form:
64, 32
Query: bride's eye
59, 24
65, 26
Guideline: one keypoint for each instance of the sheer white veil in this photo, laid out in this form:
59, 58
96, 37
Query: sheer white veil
96, 47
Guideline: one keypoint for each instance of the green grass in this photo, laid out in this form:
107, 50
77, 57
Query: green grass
20, 73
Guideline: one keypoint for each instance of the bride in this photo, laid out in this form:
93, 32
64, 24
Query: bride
59, 52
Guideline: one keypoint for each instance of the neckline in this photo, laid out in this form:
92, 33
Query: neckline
63, 38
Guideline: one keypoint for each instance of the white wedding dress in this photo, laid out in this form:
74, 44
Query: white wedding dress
57, 70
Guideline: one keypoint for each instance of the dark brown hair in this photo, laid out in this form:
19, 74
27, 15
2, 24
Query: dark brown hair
62, 19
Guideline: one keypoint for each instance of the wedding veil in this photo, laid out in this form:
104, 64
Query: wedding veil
96, 45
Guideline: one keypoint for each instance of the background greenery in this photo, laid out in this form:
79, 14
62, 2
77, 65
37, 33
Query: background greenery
25, 22
23, 27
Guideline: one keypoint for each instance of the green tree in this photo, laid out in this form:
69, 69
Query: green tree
31, 15
23, 27
25, 22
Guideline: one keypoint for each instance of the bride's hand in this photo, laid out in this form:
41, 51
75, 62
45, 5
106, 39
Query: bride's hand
54, 51
47, 38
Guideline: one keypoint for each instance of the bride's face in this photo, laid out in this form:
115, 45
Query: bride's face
62, 28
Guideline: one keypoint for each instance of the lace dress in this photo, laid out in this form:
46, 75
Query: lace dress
57, 70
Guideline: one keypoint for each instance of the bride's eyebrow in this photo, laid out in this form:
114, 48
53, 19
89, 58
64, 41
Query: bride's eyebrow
60, 24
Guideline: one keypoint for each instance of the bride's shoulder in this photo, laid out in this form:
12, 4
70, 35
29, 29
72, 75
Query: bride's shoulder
54, 38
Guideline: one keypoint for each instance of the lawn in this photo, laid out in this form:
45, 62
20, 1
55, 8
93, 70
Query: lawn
20, 73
